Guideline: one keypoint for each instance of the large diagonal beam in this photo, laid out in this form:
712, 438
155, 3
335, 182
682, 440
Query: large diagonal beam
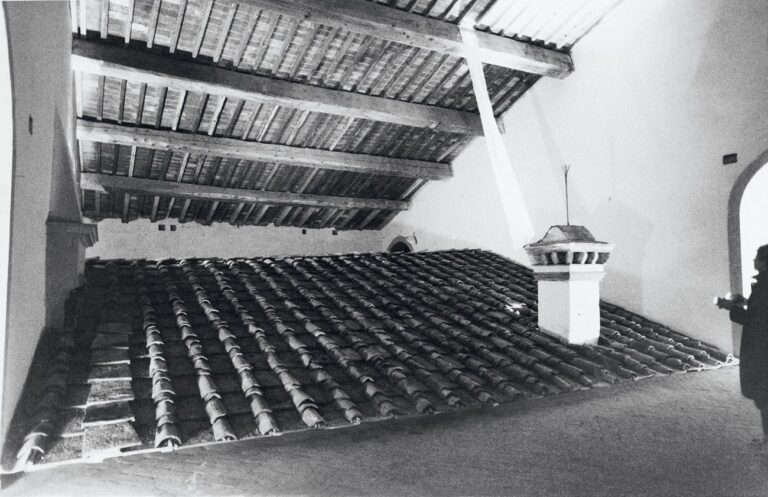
514, 209
380, 21
109, 183
161, 71
227, 147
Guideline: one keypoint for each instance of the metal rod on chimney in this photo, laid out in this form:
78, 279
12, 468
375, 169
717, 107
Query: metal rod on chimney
566, 168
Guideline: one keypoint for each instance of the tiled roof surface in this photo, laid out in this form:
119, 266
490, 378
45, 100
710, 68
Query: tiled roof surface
181, 352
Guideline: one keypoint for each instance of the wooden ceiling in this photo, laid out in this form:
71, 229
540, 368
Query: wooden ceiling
308, 113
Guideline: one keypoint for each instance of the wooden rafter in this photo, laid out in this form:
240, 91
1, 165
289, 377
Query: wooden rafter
108, 183
369, 18
156, 70
226, 147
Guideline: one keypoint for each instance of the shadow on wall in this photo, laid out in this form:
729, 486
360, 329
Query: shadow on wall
624, 280
715, 72
64, 255
542, 174
552, 147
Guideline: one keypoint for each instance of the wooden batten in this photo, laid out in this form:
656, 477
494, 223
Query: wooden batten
227, 147
398, 26
108, 183
143, 67
342, 103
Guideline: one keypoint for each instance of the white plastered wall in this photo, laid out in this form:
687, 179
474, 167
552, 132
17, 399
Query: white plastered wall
39, 40
662, 90
464, 211
6, 180
142, 239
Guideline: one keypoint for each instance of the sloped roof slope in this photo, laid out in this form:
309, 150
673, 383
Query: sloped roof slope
222, 349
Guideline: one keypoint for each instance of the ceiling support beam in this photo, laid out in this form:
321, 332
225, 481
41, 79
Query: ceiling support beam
239, 149
514, 209
191, 191
151, 69
395, 25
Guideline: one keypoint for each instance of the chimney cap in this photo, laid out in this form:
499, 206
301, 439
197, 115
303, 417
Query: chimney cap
568, 244
560, 233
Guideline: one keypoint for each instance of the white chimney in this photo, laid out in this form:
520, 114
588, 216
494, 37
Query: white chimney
568, 264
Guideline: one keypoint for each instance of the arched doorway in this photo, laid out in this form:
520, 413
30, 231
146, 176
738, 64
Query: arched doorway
734, 221
753, 226
400, 244
740, 263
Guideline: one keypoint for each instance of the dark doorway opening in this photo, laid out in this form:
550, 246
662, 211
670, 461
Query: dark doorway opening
400, 247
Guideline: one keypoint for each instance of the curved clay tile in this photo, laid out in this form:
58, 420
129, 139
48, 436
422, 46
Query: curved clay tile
410, 332
303, 403
437, 383
214, 408
378, 397
499, 381
265, 421
317, 372
529, 379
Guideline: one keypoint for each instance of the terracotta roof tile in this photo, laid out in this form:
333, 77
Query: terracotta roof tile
223, 349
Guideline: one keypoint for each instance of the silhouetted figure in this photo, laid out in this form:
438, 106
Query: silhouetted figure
753, 315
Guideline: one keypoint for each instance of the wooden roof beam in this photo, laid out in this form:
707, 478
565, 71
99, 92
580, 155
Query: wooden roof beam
403, 27
284, 154
143, 67
191, 191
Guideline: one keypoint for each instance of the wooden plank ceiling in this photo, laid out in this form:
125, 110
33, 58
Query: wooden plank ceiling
307, 113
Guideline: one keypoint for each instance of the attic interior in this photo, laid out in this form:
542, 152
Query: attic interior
231, 220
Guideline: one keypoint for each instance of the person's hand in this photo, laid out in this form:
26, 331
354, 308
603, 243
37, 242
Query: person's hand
722, 303
730, 301
738, 300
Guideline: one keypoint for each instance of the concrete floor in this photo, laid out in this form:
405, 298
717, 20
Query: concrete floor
686, 434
